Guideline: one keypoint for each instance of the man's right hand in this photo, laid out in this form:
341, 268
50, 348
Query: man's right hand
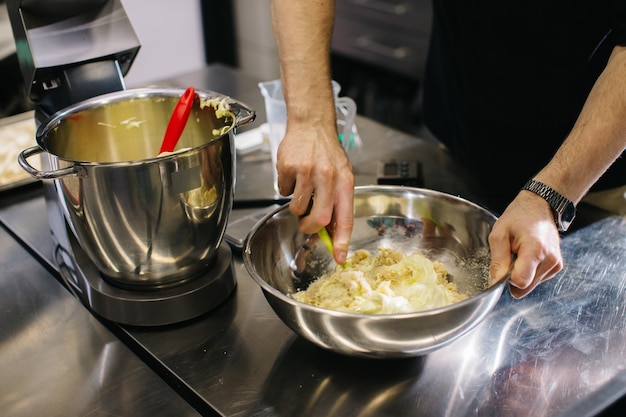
313, 164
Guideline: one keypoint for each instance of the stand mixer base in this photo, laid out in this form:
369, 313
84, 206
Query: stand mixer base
153, 307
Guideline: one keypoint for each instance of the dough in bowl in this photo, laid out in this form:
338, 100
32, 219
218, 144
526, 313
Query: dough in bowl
389, 282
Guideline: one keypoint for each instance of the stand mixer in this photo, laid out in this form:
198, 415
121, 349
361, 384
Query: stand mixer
74, 50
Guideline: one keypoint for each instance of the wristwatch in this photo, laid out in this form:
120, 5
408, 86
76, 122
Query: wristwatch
563, 209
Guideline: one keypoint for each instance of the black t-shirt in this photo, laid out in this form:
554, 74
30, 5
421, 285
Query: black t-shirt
506, 80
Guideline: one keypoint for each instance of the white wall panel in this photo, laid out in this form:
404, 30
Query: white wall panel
171, 38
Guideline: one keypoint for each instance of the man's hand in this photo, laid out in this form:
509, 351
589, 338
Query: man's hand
526, 230
312, 163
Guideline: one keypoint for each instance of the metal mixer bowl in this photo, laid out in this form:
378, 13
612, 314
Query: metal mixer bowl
452, 230
143, 219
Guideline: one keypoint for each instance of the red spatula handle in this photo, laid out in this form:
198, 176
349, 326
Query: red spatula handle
178, 120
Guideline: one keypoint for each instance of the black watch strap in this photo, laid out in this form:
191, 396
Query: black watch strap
563, 209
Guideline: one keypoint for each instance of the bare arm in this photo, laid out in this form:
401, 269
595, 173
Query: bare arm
598, 137
526, 228
311, 160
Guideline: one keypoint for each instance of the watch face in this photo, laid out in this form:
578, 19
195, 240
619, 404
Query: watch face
567, 217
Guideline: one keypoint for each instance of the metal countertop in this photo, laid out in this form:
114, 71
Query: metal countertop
559, 351
57, 359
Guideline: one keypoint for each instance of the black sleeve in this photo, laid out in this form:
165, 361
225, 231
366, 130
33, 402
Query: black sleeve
619, 22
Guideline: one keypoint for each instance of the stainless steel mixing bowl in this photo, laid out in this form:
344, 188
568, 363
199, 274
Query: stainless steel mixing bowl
144, 220
452, 230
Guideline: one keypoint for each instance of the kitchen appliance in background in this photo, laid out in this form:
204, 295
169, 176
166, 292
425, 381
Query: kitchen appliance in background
71, 51
379, 50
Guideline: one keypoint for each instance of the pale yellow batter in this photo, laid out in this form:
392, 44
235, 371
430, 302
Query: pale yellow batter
388, 283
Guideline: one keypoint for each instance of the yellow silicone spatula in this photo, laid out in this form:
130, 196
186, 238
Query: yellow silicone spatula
328, 243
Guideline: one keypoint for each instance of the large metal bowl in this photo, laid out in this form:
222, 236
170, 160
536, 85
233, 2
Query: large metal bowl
144, 220
282, 260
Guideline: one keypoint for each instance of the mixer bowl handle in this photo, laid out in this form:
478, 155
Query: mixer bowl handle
22, 159
243, 113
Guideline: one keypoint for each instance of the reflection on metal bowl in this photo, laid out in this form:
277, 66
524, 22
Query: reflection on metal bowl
452, 230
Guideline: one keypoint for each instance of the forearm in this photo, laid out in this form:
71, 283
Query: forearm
597, 138
303, 31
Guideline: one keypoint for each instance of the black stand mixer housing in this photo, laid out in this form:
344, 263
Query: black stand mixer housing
70, 51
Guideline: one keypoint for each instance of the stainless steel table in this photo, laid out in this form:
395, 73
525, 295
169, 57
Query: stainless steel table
56, 359
559, 351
